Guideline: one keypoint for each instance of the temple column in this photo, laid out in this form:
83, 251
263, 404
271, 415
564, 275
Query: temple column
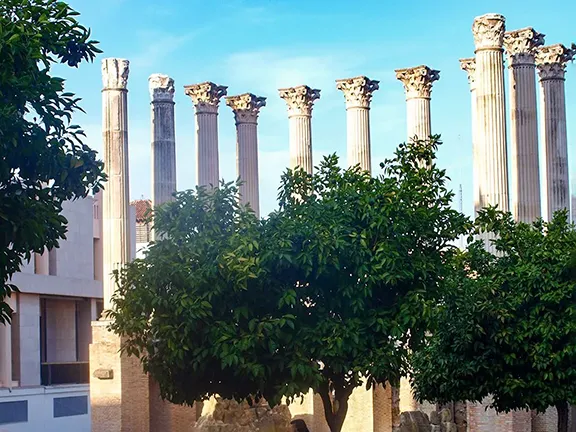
525, 178
551, 63
246, 108
163, 139
418, 86
300, 101
358, 94
118, 388
469, 66
206, 97
488, 31
116, 195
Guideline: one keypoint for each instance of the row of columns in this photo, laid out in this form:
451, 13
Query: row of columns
526, 54
246, 107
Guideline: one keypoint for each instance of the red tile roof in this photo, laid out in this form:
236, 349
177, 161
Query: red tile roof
142, 208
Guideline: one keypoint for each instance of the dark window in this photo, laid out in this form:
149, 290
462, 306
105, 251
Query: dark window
13, 412
70, 406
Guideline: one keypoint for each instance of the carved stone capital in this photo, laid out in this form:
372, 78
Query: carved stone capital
246, 107
357, 91
115, 73
488, 31
551, 60
469, 66
418, 81
206, 96
521, 45
300, 100
161, 88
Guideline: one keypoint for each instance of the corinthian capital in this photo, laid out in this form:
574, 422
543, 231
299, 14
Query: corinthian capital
521, 45
418, 81
299, 99
468, 65
551, 60
246, 107
488, 31
205, 96
161, 88
357, 91
115, 73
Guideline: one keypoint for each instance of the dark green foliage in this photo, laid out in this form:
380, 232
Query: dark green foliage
42, 159
329, 292
506, 325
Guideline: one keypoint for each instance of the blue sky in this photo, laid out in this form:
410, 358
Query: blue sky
259, 46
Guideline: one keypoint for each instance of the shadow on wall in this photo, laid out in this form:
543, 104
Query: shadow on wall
300, 422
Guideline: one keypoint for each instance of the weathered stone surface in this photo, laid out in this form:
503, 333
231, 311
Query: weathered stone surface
300, 101
414, 421
103, 374
231, 416
358, 94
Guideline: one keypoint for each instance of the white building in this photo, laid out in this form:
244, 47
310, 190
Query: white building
44, 369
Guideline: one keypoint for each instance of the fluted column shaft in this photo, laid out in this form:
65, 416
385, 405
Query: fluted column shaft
418, 119
247, 164
207, 148
246, 108
556, 145
300, 136
524, 147
525, 176
469, 66
300, 101
491, 110
358, 137
163, 139
115, 196
206, 97
418, 87
358, 95
551, 62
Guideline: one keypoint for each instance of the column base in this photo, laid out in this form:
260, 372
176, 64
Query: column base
122, 397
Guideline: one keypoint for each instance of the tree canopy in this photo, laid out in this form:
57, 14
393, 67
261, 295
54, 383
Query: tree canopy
506, 324
329, 292
43, 161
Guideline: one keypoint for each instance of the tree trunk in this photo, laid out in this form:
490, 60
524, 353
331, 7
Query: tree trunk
335, 409
562, 408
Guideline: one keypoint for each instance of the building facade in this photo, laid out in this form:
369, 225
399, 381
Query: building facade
44, 369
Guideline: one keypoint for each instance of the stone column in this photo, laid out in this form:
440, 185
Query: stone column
163, 139
358, 94
551, 63
525, 178
206, 97
118, 387
418, 86
469, 66
246, 108
300, 101
488, 31
116, 196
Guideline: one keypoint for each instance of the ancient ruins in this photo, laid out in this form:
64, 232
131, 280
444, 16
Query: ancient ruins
124, 399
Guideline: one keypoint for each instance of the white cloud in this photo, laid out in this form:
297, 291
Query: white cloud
158, 46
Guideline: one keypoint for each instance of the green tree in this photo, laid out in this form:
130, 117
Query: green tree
43, 161
506, 325
329, 292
